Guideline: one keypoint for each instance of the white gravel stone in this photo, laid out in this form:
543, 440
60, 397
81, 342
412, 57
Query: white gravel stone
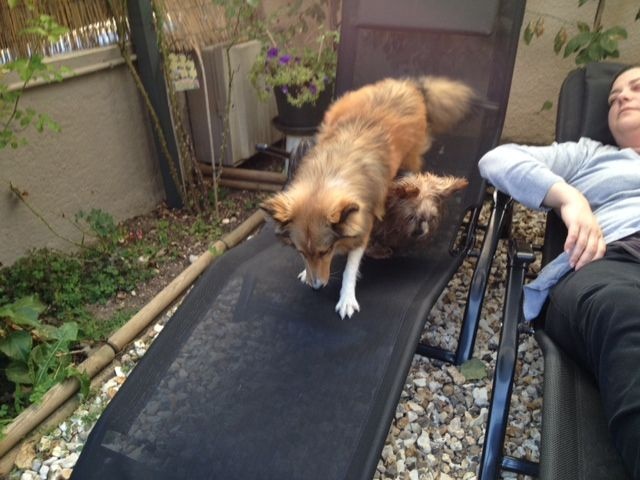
44, 471
420, 382
481, 397
424, 442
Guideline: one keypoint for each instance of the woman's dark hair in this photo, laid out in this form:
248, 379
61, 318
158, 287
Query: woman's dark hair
620, 72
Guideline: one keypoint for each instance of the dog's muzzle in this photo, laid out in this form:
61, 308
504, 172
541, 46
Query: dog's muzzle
317, 284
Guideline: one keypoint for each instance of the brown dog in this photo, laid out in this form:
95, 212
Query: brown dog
414, 208
340, 187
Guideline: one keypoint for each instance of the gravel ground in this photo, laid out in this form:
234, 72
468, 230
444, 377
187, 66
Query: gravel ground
440, 419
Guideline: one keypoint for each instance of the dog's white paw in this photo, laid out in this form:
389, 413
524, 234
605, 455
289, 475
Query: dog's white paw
302, 276
347, 305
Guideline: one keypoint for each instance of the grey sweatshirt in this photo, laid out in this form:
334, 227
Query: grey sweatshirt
608, 177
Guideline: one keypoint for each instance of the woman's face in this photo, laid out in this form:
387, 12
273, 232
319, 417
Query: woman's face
624, 109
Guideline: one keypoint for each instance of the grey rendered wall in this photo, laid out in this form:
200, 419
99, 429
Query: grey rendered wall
538, 72
103, 158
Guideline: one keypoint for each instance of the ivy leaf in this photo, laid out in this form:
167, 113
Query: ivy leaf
582, 2
473, 369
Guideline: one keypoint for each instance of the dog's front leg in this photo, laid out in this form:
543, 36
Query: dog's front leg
348, 305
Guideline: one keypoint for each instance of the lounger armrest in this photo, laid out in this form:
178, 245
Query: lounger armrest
498, 221
520, 256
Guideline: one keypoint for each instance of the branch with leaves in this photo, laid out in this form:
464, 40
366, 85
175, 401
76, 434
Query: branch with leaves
13, 119
591, 43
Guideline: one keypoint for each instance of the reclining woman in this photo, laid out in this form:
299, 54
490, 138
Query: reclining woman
591, 291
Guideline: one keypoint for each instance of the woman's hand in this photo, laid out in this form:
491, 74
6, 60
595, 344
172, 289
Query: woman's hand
585, 241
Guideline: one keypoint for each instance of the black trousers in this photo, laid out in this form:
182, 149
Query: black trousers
594, 315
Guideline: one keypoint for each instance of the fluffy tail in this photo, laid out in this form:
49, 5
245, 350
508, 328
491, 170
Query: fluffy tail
448, 101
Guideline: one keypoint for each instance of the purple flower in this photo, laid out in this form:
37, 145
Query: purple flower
272, 53
284, 89
313, 89
284, 59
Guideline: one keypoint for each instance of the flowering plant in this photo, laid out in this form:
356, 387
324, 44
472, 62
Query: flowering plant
301, 74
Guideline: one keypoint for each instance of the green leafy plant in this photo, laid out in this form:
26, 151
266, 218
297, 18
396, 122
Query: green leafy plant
101, 226
37, 354
588, 43
285, 61
97, 328
301, 74
14, 120
67, 282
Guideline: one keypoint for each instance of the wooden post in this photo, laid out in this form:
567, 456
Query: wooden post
145, 42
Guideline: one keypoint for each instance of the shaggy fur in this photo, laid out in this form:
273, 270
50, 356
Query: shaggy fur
414, 208
340, 187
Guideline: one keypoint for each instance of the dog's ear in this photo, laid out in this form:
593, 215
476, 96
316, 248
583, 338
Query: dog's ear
402, 190
341, 211
446, 186
279, 208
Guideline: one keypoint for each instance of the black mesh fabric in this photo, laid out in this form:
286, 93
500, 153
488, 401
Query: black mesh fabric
576, 444
256, 376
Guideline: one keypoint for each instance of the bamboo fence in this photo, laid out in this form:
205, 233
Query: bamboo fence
188, 24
